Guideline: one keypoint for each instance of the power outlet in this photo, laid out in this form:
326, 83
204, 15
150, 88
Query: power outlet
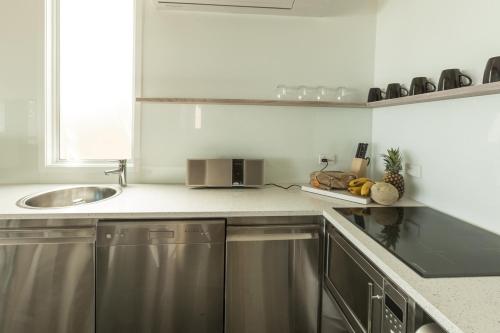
323, 158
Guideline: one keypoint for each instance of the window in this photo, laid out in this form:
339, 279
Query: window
90, 80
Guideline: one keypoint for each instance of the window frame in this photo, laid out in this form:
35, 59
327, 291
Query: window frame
51, 133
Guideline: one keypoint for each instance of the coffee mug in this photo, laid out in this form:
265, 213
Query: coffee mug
375, 94
421, 85
492, 71
395, 90
452, 78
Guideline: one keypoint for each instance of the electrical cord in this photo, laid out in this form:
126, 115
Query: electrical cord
326, 166
294, 185
283, 187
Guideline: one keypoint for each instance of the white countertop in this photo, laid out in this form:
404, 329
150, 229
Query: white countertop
460, 305
172, 201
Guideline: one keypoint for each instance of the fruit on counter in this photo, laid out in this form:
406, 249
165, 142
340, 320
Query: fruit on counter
355, 190
359, 182
360, 186
366, 188
384, 193
393, 166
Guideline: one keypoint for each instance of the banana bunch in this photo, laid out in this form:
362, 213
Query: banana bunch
361, 186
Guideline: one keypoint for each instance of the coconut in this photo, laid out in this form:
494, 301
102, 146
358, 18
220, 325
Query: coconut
384, 194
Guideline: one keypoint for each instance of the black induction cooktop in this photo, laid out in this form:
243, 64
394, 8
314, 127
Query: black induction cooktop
430, 242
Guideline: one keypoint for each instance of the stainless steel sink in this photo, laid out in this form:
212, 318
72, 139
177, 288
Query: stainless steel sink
68, 197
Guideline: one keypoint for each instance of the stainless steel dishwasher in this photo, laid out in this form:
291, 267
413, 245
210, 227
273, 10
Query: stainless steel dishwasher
47, 276
273, 275
160, 276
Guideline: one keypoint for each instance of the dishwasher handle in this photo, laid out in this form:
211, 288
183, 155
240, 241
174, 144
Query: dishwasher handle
47, 235
271, 237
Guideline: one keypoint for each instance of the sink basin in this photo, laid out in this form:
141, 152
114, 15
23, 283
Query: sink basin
68, 197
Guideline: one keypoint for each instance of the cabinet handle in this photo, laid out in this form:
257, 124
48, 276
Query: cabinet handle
270, 237
327, 250
371, 298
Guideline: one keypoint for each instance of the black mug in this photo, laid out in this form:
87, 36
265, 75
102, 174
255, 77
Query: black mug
452, 78
492, 71
375, 94
395, 90
421, 85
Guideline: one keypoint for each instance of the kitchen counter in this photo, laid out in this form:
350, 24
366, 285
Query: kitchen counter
178, 201
460, 305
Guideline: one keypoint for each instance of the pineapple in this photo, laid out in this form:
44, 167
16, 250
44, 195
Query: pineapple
393, 166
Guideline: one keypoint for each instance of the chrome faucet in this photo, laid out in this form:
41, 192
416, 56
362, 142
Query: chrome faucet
121, 171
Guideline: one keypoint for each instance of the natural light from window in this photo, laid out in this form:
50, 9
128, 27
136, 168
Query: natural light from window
96, 61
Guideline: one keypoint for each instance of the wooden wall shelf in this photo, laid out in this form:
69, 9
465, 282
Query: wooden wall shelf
472, 91
257, 102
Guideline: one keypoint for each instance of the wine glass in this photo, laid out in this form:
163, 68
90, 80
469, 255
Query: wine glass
281, 91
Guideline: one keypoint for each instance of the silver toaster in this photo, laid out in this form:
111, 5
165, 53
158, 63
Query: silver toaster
225, 173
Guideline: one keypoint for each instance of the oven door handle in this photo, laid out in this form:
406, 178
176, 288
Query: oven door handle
271, 237
371, 298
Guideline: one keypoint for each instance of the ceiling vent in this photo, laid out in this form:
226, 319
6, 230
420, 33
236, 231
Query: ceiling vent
270, 4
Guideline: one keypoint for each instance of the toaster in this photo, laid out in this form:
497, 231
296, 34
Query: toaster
225, 173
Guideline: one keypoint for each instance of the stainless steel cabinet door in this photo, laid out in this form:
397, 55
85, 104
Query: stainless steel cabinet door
47, 288
172, 288
272, 280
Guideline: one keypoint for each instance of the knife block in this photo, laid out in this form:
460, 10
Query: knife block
359, 166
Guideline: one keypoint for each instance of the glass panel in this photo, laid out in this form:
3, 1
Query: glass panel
96, 79
350, 281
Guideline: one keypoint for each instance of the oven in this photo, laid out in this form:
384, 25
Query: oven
369, 302
354, 283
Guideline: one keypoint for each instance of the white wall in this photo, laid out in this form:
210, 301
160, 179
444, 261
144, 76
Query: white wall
457, 142
187, 54
201, 55
190, 54
21, 68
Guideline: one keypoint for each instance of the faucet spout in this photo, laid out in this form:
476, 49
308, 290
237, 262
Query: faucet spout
121, 171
